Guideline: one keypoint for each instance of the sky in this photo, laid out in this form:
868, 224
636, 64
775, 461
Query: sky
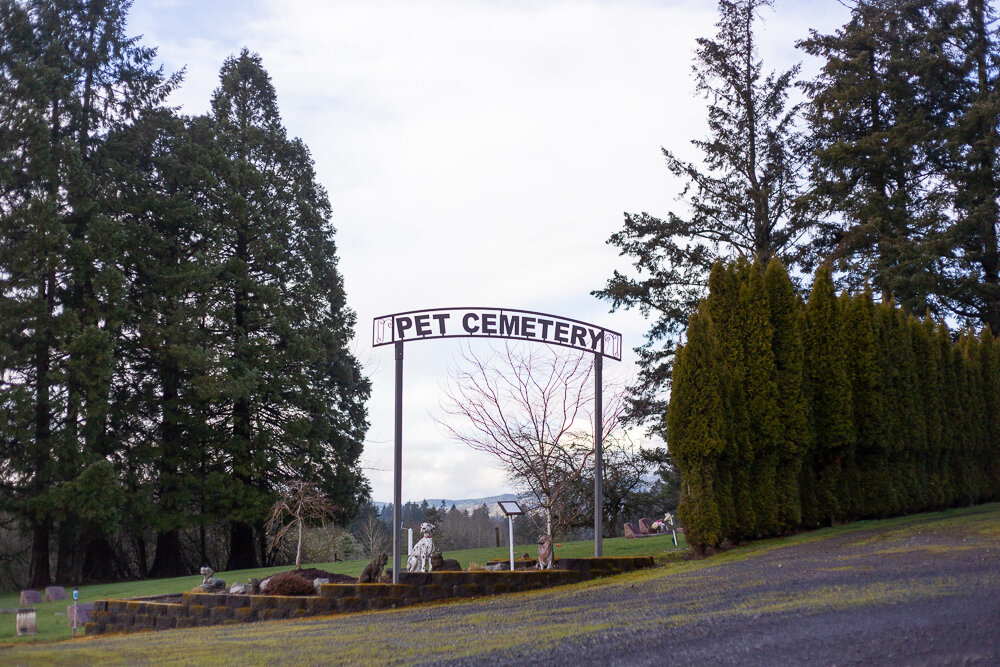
476, 153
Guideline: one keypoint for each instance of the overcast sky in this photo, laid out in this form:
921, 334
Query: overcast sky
477, 153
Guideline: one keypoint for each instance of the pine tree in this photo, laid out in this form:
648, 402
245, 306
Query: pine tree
294, 398
742, 201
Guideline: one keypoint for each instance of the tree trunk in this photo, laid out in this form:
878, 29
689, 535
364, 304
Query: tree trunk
40, 577
168, 560
242, 554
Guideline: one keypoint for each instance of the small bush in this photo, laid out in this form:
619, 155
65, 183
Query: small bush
289, 583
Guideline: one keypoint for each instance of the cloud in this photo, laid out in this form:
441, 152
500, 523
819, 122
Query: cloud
475, 152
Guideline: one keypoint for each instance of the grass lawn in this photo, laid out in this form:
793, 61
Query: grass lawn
52, 622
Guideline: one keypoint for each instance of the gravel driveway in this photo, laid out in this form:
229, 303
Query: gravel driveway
926, 593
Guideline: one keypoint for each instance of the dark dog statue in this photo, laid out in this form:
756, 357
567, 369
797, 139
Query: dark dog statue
439, 562
373, 571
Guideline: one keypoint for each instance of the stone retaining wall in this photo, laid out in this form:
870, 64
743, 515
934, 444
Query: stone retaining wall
197, 609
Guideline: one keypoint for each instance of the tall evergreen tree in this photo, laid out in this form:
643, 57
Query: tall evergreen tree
969, 273
828, 393
69, 74
742, 201
785, 315
164, 171
872, 493
696, 432
293, 397
877, 112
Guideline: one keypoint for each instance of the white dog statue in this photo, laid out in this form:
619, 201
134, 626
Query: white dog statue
419, 559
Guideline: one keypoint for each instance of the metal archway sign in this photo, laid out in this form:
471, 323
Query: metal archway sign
505, 323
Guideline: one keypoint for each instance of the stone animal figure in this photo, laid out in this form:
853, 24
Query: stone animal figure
544, 552
419, 559
441, 564
209, 582
373, 571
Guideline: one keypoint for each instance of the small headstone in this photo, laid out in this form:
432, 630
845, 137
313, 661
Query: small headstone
25, 623
81, 611
55, 593
631, 531
30, 597
644, 526
319, 581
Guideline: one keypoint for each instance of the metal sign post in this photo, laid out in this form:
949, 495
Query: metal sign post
511, 508
506, 323
397, 466
598, 458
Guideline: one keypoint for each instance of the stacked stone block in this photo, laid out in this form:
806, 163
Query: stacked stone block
197, 609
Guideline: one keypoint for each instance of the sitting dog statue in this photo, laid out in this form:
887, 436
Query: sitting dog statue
544, 553
373, 571
441, 564
419, 559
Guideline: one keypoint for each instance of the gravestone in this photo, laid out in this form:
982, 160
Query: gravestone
25, 623
631, 531
644, 526
30, 597
82, 612
55, 593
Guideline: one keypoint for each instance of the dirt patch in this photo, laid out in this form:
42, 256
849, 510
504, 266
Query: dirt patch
311, 574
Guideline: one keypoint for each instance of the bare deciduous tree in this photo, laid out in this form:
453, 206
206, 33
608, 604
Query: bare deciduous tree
300, 501
373, 535
532, 409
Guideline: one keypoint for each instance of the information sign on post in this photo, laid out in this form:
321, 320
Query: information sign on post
510, 508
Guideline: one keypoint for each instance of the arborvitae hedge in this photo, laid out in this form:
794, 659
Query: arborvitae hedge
788, 414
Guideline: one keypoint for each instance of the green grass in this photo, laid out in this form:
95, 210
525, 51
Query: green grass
51, 616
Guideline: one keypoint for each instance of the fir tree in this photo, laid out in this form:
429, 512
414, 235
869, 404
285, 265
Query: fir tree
877, 118
742, 196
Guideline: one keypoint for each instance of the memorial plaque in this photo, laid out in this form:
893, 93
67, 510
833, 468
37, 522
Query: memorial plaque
30, 597
55, 593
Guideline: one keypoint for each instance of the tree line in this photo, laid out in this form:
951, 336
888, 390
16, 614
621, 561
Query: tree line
173, 325
885, 166
788, 413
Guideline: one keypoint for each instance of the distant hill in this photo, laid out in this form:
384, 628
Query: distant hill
465, 504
